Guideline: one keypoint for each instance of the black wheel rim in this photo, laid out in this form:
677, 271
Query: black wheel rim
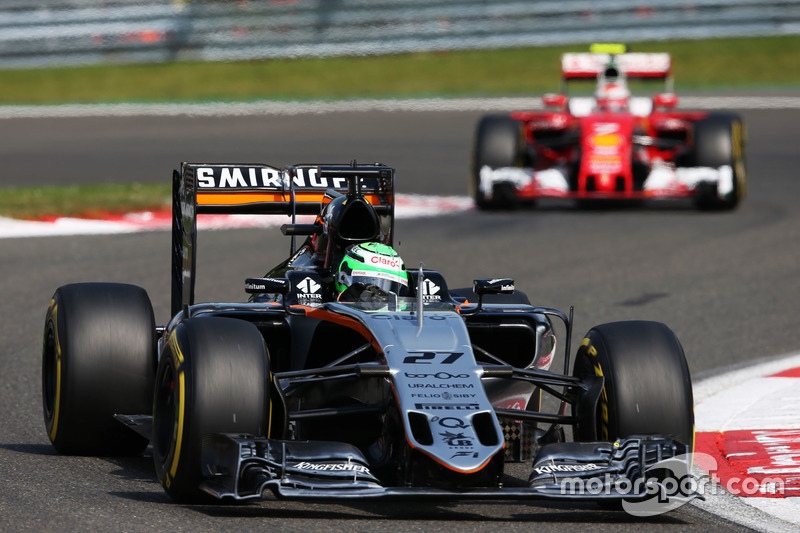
49, 370
165, 415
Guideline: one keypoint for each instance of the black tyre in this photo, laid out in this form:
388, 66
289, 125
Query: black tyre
98, 360
213, 377
499, 142
719, 140
647, 388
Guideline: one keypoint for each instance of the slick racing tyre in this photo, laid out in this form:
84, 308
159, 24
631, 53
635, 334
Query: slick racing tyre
98, 360
499, 142
213, 377
647, 390
719, 140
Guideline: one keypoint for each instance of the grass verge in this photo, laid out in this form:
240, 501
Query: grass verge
89, 201
764, 63
713, 64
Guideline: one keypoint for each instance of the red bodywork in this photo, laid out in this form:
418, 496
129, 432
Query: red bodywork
605, 154
610, 145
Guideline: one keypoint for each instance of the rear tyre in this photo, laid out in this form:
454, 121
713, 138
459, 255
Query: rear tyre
499, 142
213, 377
98, 360
647, 391
719, 140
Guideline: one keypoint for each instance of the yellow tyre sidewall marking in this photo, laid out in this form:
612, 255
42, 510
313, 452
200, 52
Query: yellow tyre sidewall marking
178, 359
738, 137
598, 371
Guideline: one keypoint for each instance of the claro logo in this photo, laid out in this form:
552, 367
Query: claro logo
386, 261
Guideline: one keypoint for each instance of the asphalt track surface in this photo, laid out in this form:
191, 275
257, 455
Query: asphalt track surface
727, 284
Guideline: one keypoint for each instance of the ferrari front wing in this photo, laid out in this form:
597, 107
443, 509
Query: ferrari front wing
663, 182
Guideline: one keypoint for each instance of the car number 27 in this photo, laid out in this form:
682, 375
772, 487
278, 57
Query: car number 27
427, 358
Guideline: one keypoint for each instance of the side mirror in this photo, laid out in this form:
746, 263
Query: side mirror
555, 100
489, 286
282, 286
493, 286
267, 286
665, 100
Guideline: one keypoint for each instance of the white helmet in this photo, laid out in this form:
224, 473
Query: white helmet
612, 90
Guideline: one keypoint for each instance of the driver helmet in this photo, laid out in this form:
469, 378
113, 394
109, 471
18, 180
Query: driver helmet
372, 266
612, 90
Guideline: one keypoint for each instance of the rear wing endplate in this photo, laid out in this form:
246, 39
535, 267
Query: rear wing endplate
260, 190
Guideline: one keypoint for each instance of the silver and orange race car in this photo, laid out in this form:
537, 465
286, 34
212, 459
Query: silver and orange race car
344, 375
609, 145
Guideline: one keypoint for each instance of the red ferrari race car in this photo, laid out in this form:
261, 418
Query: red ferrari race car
610, 146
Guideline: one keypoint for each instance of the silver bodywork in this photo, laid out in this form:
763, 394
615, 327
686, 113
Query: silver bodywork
434, 374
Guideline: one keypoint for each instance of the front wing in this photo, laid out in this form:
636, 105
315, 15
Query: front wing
663, 182
245, 467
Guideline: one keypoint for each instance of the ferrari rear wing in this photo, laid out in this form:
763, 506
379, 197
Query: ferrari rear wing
583, 65
260, 189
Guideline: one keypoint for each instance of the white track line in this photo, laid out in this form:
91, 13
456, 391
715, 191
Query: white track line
741, 398
426, 105
713, 385
407, 206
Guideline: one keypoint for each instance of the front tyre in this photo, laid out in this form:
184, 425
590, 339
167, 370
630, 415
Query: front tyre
647, 390
719, 141
499, 143
98, 360
213, 377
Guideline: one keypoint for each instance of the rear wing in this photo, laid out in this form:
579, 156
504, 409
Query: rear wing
262, 190
583, 65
